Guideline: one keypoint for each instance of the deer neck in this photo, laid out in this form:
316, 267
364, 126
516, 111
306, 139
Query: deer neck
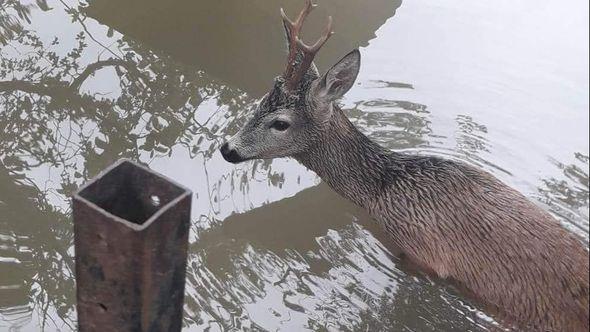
347, 160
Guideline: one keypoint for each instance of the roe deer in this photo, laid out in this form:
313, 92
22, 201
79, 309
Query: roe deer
450, 218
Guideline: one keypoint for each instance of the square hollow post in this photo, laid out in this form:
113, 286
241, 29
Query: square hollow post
131, 236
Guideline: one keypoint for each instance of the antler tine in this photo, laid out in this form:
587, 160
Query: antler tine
328, 32
286, 19
294, 29
309, 53
293, 75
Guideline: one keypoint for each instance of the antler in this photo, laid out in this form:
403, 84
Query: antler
294, 74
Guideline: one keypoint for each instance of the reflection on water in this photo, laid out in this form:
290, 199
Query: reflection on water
12, 15
238, 42
395, 124
568, 196
82, 85
335, 273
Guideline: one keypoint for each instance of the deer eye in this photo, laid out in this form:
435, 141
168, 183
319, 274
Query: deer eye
280, 125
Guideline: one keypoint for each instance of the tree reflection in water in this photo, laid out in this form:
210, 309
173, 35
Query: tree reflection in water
56, 133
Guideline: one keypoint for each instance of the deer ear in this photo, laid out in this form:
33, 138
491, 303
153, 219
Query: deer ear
340, 78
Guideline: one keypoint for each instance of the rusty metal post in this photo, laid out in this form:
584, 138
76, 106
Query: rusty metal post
131, 236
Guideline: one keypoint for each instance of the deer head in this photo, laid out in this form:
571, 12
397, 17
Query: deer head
295, 113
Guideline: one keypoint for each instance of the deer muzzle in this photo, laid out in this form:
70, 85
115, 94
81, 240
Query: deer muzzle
230, 154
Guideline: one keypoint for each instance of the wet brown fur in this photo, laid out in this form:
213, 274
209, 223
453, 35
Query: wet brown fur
465, 225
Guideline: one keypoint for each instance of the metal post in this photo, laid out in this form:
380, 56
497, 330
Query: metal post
131, 236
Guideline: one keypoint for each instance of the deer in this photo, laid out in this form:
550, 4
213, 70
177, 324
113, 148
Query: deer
448, 217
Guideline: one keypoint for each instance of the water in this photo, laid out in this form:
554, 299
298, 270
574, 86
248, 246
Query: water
502, 85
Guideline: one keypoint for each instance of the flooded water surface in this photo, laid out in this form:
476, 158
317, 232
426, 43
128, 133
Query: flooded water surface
502, 85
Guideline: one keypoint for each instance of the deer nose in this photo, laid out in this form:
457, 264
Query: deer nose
230, 154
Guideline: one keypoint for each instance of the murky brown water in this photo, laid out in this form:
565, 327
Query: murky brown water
501, 84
